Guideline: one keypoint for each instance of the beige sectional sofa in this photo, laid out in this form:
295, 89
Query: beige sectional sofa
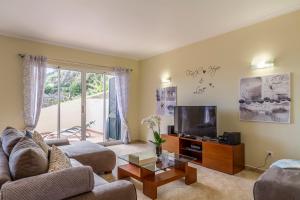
76, 183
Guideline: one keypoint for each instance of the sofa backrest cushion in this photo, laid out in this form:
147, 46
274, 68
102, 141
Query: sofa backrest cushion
4, 169
27, 159
10, 137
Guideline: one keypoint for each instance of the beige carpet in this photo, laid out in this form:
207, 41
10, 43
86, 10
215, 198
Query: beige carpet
212, 185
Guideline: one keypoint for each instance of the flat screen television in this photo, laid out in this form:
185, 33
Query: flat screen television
196, 121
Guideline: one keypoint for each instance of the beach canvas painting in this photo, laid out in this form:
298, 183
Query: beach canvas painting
265, 98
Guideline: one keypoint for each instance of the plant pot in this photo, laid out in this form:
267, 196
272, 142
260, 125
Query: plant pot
158, 150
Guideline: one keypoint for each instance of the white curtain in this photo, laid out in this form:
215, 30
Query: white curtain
122, 89
34, 82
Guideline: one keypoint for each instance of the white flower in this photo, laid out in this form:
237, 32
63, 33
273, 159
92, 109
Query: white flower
156, 118
152, 121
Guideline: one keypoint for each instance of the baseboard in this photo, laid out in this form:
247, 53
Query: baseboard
110, 143
254, 169
138, 141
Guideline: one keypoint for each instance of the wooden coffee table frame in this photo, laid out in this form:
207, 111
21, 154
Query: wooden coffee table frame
152, 181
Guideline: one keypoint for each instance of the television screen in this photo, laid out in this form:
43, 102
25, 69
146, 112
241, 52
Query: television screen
196, 120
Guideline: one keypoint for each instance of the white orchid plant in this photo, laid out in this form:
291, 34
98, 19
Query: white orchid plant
153, 123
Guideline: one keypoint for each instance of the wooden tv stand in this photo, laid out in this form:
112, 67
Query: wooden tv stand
221, 157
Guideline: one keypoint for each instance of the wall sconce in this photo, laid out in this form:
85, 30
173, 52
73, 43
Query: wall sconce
262, 63
166, 80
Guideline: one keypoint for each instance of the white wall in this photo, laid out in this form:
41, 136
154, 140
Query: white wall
11, 77
279, 37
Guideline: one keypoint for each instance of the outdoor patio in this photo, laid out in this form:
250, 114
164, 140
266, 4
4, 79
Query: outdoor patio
92, 136
71, 120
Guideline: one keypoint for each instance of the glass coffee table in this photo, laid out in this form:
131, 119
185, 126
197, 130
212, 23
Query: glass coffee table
155, 171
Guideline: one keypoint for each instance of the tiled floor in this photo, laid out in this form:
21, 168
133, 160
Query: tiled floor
212, 185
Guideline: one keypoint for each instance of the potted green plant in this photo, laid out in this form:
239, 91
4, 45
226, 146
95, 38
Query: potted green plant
153, 123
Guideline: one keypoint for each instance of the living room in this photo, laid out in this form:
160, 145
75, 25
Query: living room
107, 82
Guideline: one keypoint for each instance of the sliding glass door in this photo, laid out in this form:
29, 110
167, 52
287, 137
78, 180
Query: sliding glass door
70, 105
95, 107
79, 106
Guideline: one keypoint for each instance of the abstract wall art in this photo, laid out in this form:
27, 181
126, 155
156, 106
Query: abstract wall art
265, 98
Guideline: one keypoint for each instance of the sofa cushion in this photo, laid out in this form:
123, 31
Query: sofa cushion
27, 159
58, 160
4, 168
10, 137
98, 180
101, 159
38, 138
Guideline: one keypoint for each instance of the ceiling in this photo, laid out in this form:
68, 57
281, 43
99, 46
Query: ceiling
135, 29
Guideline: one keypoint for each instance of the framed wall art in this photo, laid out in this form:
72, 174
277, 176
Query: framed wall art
266, 98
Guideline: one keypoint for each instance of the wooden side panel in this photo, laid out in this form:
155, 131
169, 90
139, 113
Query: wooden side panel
218, 156
190, 175
225, 158
171, 144
129, 170
239, 158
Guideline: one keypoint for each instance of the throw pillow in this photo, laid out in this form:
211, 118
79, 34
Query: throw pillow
58, 160
10, 137
27, 159
38, 138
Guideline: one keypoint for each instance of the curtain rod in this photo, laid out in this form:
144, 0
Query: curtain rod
73, 62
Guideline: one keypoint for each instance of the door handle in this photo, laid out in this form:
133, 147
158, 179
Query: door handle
82, 109
112, 115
